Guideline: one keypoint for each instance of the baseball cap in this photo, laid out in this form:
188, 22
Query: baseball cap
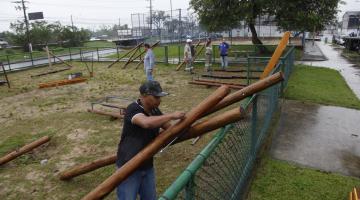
188, 40
152, 88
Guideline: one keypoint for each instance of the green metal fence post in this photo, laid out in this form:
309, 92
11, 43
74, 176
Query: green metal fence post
248, 71
8, 61
81, 54
254, 135
70, 54
97, 53
189, 190
31, 57
179, 53
166, 58
117, 52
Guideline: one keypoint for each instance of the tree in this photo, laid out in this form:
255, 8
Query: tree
158, 19
218, 15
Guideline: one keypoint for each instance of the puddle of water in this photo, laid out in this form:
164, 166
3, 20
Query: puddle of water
321, 137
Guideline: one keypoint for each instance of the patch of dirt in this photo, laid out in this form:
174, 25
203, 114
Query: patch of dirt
35, 176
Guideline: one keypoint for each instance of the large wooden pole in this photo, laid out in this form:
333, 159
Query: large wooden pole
24, 150
151, 149
247, 91
277, 53
87, 167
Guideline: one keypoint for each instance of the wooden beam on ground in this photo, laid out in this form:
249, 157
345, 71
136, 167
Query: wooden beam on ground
151, 149
62, 82
227, 76
61, 60
24, 150
115, 115
197, 82
87, 167
51, 72
276, 55
236, 70
117, 60
5, 74
183, 62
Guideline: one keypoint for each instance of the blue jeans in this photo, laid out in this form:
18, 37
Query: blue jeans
141, 182
149, 75
224, 62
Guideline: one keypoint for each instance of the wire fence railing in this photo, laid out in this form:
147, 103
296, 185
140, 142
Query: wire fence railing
222, 169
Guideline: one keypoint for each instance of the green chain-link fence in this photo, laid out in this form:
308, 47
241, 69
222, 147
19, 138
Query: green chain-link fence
222, 169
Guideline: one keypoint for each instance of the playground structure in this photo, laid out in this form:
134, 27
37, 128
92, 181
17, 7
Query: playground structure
135, 53
110, 102
6, 81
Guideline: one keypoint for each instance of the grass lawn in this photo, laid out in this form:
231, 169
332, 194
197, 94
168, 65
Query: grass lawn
28, 113
320, 85
279, 180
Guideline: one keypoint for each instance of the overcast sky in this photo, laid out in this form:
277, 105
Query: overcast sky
92, 13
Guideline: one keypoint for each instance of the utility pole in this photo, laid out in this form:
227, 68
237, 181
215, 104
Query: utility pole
72, 23
150, 18
23, 7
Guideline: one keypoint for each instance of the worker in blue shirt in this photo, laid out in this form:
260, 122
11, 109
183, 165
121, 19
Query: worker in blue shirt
149, 62
223, 48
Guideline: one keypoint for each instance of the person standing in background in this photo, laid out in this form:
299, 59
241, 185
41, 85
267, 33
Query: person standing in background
149, 62
223, 48
208, 53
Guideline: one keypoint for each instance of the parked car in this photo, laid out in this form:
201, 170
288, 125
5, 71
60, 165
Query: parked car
337, 39
3, 43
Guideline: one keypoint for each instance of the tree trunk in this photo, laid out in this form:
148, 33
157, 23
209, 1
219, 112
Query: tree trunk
255, 40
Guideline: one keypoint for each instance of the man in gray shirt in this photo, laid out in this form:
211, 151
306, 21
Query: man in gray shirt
149, 62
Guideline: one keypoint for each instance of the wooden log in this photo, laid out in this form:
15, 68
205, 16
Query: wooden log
24, 150
196, 82
115, 115
131, 57
214, 123
61, 82
51, 72
87, 167
247, 91
277, 53
236, 70
127, 53
219, 76
61, 60
162, 140
214, 81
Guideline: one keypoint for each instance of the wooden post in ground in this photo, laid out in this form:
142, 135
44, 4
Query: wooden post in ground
5, 74
132, 55
127, 53
48, 55
151, 149
24, 150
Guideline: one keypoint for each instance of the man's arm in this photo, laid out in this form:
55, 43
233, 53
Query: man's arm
149, 122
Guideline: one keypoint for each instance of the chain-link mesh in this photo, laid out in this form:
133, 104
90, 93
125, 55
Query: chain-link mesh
222, 169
